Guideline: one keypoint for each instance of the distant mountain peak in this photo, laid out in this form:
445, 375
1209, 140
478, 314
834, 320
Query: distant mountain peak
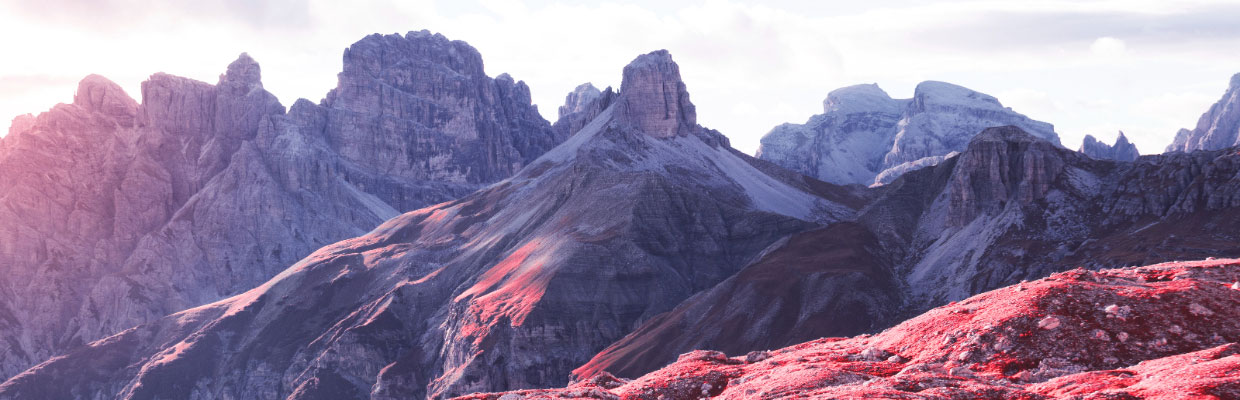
653, 98
243, 74
865, 137
867, 97
936, 92
579, 98
1218, 128
1122, 150
96, 93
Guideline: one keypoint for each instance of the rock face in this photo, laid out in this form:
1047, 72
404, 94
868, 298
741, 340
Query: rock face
580, 107
510, 287
1122, 150
654, 99
866, 137
117, 213
1010, 207
578, 99
1158, 332
1218, 128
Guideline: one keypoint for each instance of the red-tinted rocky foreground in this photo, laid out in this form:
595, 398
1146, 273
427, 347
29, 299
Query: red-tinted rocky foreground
1162, 331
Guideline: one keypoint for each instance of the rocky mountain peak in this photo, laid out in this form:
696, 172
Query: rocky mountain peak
242, 75
96, 93
934, 93
1218, 128
21, 123
377, 52
1122, 150
653, 98
579, 98
1002, 165
581, 106
860, 98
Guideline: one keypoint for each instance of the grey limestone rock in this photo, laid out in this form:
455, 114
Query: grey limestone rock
1218, 127
115, 213
1122, 150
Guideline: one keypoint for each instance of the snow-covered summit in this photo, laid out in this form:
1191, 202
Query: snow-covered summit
864, 133
942, 93
860, 99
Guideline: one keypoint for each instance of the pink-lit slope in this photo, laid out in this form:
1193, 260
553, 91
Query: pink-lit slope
1165, 331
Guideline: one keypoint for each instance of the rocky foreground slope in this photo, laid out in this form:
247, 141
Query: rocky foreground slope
1165, 331
865, 137
115, 213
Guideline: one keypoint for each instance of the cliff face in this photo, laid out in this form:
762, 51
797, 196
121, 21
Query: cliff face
119, 213
866, 137
1122, 150
438, 115
1218, 127
512, 286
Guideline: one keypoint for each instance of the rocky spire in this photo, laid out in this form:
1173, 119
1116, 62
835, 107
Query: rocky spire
1218, 127
579, 98
653, 99
1121, 151
241, 76
96, 93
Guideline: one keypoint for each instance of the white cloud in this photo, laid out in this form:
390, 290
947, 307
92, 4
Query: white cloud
1107, 46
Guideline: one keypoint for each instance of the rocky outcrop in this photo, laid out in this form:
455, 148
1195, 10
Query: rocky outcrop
441, 117
1218, 128
654, 100
509, 287
1122, 150
578, 99
1158, 332
580, 107
866, 137
117, 213
1003, 166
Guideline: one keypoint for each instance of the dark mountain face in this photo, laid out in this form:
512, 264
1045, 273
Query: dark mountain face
1010, 207
117, 213
512, 286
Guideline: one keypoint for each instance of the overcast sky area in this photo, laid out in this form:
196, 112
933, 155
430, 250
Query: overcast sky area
1145, 67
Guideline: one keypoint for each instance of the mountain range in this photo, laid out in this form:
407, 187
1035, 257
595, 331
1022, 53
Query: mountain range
117, 213
865, 137
423, 232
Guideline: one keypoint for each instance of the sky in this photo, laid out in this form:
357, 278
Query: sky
1088, 67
